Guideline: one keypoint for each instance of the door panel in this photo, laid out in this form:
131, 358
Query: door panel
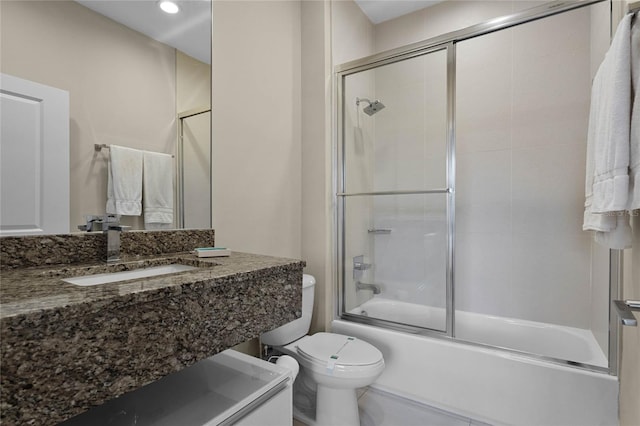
34, 158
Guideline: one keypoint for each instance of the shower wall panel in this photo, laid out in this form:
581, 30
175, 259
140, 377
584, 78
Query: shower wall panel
522, 112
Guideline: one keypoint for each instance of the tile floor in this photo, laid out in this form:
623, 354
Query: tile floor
378, 408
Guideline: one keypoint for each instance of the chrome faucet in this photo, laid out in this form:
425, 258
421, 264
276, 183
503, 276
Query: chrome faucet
113, 231
363, 286
98, 222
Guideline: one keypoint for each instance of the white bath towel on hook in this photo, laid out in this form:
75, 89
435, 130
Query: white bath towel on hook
634, 136
609, 180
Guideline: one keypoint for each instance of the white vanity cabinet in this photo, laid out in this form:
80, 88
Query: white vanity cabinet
230, 388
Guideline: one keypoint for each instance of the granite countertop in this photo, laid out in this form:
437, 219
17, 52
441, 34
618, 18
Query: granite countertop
66, 348
29, 290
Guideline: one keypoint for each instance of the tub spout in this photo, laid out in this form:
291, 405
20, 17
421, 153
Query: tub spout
363, 286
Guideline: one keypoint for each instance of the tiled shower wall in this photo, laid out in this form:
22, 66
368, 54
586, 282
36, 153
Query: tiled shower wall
522, 115
522, 109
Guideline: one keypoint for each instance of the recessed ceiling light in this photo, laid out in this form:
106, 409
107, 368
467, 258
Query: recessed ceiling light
169, 7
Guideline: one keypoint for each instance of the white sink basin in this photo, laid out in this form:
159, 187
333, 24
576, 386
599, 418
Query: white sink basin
95, 279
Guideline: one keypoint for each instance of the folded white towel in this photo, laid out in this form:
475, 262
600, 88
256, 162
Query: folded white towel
124, 183
608, 153
158, 191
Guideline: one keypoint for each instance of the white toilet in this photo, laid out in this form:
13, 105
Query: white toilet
332, 365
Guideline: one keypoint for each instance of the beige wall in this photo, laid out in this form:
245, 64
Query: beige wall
316, 156
256, 126
256, 131
193, 83
121, 86
352, 34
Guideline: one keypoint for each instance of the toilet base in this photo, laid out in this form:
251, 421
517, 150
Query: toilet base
326, 405
336, 407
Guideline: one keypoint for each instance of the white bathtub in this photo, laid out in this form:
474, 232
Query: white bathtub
490, 385
561, 342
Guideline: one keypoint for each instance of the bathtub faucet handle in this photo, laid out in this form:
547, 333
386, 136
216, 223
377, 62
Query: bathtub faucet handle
359, 265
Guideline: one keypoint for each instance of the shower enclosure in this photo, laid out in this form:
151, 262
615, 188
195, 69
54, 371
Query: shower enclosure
460, 188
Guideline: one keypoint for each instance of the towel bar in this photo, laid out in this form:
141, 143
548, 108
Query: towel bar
625, 310
379, 231
100, 146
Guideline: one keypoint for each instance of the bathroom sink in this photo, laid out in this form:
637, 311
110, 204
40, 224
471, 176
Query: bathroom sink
104, 278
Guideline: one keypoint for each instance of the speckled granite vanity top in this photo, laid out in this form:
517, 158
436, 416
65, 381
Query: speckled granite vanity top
29, 290
66, 348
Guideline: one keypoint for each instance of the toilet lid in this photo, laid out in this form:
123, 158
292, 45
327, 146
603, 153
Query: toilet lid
339, 349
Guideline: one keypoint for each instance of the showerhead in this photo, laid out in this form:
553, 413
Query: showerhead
373, 107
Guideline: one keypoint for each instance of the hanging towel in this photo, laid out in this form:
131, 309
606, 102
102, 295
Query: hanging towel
634, 162
608, 149
124, 182
158, 191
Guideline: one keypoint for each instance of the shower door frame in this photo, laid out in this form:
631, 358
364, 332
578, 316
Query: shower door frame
446, 41
448, 190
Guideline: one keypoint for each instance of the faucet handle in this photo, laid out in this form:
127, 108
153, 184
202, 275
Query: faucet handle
117, 227
109, 219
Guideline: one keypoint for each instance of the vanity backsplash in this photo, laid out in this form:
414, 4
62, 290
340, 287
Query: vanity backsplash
43, 250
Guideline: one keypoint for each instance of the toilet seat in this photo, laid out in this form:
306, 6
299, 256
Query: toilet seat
338, 355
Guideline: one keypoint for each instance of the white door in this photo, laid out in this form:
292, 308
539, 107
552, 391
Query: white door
34, 158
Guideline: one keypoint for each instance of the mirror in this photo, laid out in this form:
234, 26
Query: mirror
125, 87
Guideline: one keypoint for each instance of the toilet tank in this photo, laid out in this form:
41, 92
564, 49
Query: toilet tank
295, 329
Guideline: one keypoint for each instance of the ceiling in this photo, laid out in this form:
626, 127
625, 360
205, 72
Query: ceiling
188, 31
383, 10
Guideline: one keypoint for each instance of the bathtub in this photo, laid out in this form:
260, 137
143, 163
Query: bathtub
491, 385
561, 342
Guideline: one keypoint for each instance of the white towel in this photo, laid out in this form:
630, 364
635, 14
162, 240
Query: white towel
124, 183
608, 152
158, 191
634, 162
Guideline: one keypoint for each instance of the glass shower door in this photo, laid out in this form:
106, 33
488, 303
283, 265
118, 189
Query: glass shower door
393, 192
522, 100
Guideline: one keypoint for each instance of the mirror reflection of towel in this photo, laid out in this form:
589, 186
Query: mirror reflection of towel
124, 184
158, 190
